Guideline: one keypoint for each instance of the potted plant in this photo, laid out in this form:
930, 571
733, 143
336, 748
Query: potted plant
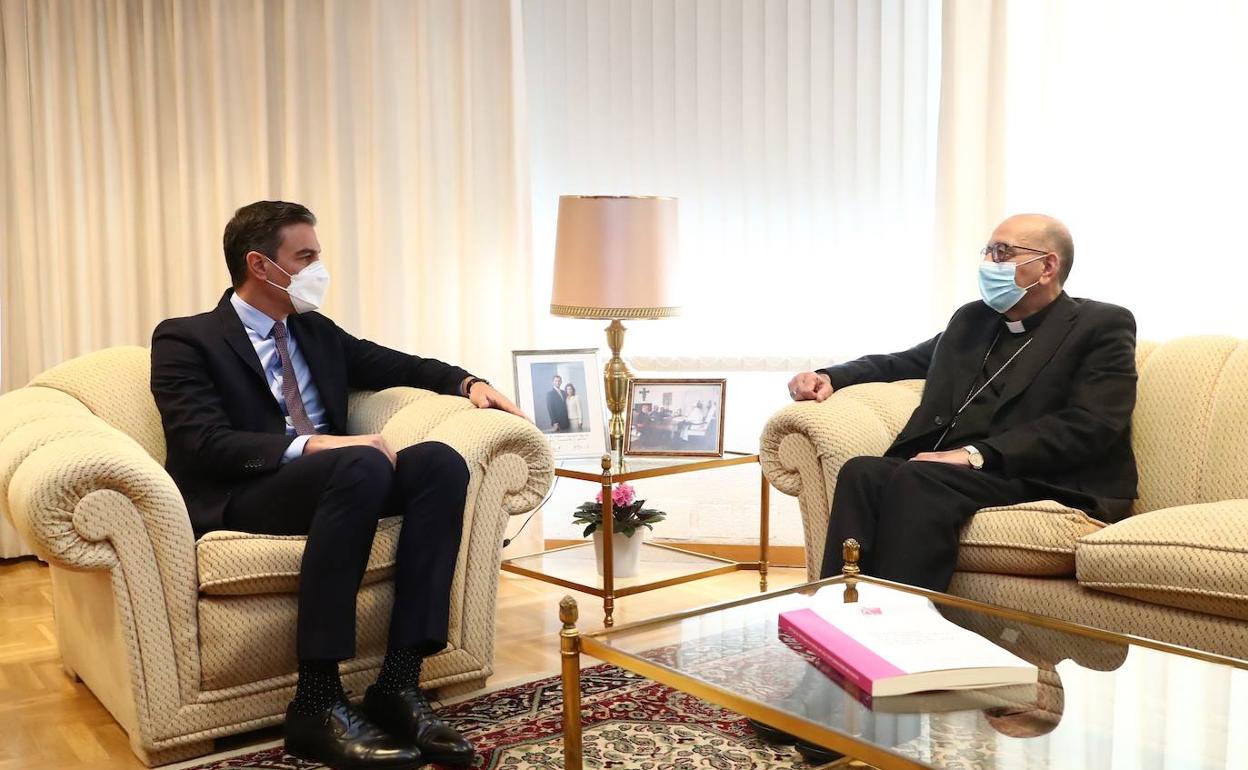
630, 515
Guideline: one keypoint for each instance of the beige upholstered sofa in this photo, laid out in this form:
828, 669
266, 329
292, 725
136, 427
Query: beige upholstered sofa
1176, 570
182, 640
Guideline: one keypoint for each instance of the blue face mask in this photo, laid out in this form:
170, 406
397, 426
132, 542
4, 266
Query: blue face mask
998, 287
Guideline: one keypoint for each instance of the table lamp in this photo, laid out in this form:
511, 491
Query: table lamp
615, 258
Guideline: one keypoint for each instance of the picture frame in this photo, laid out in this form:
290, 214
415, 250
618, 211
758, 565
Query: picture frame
675, 418
573, 417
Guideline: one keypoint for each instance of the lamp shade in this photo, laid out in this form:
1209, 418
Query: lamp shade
615, 257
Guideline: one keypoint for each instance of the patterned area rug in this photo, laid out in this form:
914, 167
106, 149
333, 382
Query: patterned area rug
630, 723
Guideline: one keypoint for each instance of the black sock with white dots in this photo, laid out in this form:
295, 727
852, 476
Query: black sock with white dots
319, 687
399, 670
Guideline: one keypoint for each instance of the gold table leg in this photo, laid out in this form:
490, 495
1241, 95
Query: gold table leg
608, 545
764, 533
570, 658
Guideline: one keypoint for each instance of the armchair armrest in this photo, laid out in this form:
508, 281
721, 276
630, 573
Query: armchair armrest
804, 445
61, 470
495, 445
88, 497
368, 411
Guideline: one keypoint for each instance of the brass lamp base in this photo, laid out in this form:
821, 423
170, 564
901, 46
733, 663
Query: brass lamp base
616, 377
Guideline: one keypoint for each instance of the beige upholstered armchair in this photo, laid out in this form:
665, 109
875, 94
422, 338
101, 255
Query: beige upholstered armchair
1175, 570
186, 640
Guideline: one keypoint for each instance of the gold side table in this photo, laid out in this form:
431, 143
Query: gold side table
667, 565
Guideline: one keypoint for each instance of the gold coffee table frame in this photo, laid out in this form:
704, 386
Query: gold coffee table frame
714, 565
573, 644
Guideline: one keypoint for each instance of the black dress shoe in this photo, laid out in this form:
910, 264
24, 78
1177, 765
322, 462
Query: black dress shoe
817, 754
409, 715
344, 739
771, 735
809, 751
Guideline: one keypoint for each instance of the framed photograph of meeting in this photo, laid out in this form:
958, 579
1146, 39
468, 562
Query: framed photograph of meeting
675, 418
562, 391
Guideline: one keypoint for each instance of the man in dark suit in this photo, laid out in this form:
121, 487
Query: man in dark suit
1028, 396
253, 397
557, 406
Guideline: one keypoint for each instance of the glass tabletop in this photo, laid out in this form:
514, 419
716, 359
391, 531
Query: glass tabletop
1099, 702
578, 564
590, 468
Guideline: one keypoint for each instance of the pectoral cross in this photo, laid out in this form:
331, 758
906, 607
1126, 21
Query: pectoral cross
644, 392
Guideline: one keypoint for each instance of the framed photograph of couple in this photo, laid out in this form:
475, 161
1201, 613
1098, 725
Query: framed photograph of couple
562, 390
675, 418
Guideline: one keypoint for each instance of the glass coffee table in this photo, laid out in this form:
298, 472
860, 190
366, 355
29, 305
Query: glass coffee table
576, 566
1103, 700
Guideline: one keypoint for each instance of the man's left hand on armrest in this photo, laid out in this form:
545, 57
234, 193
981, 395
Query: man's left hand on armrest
484, 396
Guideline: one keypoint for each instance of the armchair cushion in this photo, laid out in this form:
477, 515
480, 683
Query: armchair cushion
246, 564
1193, 557
1034, 539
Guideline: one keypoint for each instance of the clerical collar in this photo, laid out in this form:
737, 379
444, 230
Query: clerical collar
1031, 322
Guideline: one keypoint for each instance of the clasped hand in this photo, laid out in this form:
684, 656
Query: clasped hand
810, 386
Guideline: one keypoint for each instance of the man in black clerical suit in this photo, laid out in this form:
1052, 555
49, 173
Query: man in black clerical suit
1028, 396
253, 397
557, 406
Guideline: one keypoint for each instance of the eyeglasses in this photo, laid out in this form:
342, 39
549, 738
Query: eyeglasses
1004, 252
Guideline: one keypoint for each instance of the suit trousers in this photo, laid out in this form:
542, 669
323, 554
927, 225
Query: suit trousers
336, 498
907, 515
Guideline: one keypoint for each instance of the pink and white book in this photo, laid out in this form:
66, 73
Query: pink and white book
903, 647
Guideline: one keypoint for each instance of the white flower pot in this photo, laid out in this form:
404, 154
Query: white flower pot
625, 553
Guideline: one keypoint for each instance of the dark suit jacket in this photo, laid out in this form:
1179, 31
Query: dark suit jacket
223, 427
1064, 417
557, 410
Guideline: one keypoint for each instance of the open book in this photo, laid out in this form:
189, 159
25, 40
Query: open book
893, 643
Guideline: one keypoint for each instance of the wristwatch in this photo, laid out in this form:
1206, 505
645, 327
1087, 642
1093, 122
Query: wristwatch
473, 381
977, 460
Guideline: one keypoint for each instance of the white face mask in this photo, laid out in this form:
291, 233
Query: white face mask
307, 287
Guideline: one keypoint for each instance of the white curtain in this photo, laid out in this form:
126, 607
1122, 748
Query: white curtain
1124, 119
133, 129
798, 136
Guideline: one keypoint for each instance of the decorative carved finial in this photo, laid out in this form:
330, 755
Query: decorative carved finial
606, 462
850, 551
568, 612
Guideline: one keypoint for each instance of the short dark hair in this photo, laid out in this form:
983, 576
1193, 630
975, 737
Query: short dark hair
258, 227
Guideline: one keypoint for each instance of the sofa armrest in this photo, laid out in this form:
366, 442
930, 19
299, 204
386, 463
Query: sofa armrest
804, 445
368, 411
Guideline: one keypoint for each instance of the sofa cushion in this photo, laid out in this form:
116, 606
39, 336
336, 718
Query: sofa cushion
243, 564
1193, 557
1036, 539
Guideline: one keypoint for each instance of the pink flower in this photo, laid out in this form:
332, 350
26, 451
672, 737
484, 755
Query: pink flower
621, 495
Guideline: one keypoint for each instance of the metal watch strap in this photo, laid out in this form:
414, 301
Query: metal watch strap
973, 452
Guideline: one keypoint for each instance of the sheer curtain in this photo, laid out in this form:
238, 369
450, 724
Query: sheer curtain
132, 130
1125, 120
798, 136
